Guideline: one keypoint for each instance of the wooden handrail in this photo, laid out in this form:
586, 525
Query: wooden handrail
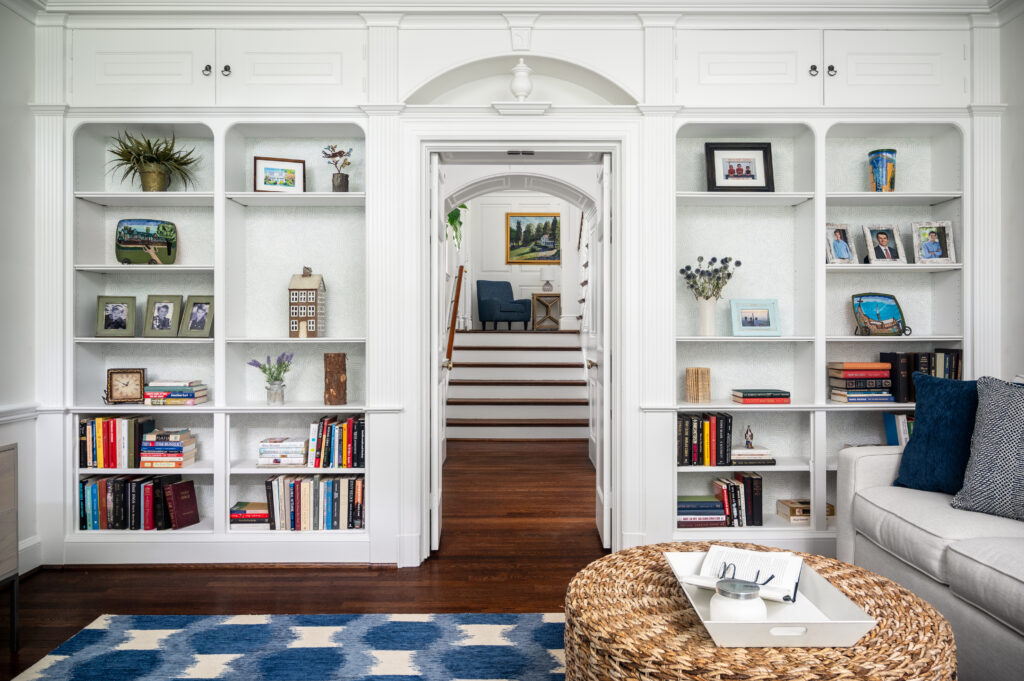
455, 316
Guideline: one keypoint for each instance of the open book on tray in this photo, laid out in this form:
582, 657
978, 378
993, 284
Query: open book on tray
777, 572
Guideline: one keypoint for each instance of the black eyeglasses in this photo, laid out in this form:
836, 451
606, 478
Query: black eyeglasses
724, 573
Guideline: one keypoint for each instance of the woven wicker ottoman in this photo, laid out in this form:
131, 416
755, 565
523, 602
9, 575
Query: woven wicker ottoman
626, 617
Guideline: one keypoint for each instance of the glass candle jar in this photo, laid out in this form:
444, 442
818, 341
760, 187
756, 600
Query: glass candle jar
737, 600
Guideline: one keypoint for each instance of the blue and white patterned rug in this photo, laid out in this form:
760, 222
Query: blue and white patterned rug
519, 647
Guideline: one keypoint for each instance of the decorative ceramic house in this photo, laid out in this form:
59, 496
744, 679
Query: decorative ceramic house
307, 305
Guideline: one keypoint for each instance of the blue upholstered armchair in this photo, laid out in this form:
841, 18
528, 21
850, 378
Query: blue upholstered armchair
495, 304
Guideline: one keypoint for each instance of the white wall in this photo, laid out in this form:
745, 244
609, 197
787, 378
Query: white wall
485, 246
1012, 71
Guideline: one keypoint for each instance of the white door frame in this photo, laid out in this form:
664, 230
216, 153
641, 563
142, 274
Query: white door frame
618, 137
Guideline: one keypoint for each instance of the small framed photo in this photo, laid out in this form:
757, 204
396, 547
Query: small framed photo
163, 314
839, 248
739, 166
196, 317
879, 314
115, 316
278, 174
755, 317
884, 244
933, 243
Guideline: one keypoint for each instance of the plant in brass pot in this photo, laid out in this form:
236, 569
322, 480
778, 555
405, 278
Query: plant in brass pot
156, 162
338, 158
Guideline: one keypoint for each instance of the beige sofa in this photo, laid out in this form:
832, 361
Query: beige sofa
969, 566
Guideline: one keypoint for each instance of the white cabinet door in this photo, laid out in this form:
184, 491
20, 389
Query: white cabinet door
291, 68
748, 68
142, 68
897, 68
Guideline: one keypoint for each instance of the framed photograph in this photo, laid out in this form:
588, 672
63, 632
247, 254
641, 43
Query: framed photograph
115, 316
839, 246
884, 244
739, 166
278, 174
933, 243
755, 317
196, 317
533, 239
879, 314
163, 313
125, 385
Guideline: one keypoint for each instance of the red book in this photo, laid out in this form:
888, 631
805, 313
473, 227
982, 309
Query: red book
858, 373
182, 504
349, 428
761, 400
700, 523
148, 522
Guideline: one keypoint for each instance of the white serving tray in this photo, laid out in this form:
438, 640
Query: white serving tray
821, 617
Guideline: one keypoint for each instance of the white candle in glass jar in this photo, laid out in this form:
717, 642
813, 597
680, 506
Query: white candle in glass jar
737, 600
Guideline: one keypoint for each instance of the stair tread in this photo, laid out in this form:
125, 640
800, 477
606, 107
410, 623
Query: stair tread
547, 401
515, 381
542, 365
526, 422
521, 348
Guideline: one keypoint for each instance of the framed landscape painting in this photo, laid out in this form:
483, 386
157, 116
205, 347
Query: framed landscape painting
533, 238
278, 175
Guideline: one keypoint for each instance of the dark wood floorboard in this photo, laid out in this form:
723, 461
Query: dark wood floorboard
518, 524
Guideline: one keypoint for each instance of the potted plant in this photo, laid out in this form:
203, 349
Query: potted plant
274, 373
338, 159
455, 222
156, 162
706, 285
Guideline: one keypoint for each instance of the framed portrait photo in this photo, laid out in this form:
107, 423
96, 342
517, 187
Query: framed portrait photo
278, 174
839, 246
755, 317
196, 317
739, 166
163, 313
533, 239
884, 244
933, 243
878, 314
115, 316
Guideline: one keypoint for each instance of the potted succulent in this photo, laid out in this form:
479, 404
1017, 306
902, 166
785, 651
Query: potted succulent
338, 159
156, 162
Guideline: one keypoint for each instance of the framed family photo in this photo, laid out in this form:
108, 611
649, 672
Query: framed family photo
739, 166
197, 317
933, 243
278, 174
115, 316
839, 246
163, 313
755, 317
533, 239
884, 244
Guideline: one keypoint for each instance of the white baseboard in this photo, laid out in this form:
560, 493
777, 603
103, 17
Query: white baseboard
409, 550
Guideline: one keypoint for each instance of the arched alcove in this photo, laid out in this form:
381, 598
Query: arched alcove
557, 81
510, 181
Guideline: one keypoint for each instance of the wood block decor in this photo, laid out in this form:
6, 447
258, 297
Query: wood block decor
698, 384
335, 379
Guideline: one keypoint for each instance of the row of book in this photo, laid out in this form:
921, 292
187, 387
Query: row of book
735, 502
311, 502
706, 440
132, 442
332, 443
136, 502
175, 393
898, 428
943, 363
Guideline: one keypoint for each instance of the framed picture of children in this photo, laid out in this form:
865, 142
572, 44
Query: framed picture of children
163, 313
839, 246
884, 244
933, 243
739, 166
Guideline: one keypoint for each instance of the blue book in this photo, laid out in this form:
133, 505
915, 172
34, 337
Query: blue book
891, 434
699, 501
327, 502
94, 504
686, 510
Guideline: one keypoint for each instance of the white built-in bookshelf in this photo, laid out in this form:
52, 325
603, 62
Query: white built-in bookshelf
242, 247
821, 176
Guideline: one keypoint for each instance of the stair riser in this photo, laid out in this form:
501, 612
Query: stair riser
539, 391
531, 432
516, 356
515, 411
507, 339
519, 373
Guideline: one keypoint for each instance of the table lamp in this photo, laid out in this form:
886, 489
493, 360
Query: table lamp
548, 273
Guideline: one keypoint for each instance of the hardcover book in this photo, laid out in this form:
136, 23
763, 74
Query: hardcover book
182, 504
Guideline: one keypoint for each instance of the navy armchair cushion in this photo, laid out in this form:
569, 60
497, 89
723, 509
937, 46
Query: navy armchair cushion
495, 303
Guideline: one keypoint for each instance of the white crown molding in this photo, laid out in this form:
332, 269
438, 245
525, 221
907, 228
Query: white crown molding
659, 109
659, 20
284, 114
26, 9
1008, 10
987, 110
385, 20
15, 413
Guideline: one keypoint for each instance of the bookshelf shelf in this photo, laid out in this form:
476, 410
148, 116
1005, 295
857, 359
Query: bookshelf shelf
744, 339
145, 341
145, 269
772, 524
888, 199
306, 199
867, 268
310, 341
744, 199
782, 465
203, 527
198, 468
894, 339
295, 408
206, 408
868, 406
146, 199
294, 470
729, 405
263, 530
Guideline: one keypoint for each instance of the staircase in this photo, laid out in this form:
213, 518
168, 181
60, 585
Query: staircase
519, 385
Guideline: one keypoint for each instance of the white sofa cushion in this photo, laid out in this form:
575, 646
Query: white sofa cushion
988, 573
917, 526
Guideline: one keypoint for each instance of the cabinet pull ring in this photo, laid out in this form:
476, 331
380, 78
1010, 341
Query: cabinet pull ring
832, 70
207, 70
813, 70
226, 71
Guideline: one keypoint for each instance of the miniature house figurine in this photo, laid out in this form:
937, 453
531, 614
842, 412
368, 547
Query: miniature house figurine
307, 305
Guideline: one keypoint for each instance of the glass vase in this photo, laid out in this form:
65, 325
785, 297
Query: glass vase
275, 393
706, 324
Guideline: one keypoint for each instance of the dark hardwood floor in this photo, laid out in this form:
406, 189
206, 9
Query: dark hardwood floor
518, 524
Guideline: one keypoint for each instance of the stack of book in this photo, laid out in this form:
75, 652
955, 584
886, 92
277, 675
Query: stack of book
798, 511
112, 442
250, 513
860, 381
315, 502
943, 363
700, 511
136, 502
754, 456
282, 451
760, 396
337, 442
703, 439
174, 393
741, 497
167, 449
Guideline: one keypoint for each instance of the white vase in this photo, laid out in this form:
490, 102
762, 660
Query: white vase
521, 85
707, 307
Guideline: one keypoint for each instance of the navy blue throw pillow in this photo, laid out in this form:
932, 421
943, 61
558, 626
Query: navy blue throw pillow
936, 456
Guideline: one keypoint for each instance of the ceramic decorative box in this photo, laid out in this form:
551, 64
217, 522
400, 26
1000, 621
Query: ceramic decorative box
141, 241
